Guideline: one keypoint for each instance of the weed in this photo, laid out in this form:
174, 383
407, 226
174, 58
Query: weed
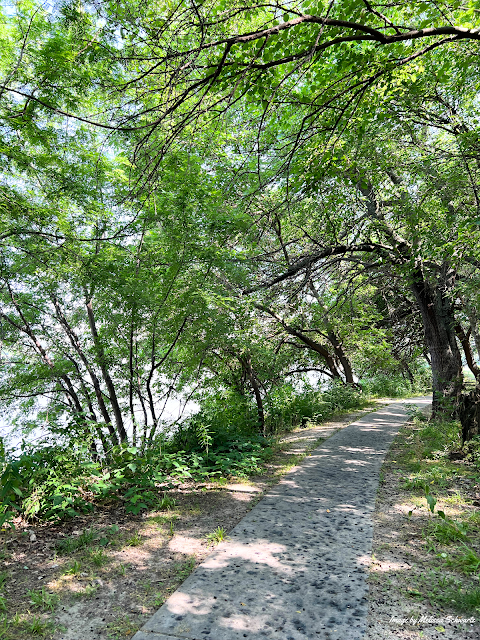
98, 557
437, 475
462, 599
148, 587
4, 576
122, 570
468, 561
122, 627
74, 569
445, 531
89, 591
167, 503
184, 569
43, 599
415, 413
4, 627
217, 536
134, 541
74, 543
38, 626
159, 599
447, 591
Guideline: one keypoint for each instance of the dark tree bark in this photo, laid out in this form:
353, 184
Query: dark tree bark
467, 350
335, 341
302, 337
469, 414
75, 342
439, 326
246, 363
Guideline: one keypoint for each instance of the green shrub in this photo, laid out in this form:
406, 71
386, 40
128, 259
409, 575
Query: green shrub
222, 439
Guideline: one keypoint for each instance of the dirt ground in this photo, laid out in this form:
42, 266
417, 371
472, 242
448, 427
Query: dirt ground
108, 587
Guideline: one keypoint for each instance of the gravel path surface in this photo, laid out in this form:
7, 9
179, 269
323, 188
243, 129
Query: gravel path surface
295, 567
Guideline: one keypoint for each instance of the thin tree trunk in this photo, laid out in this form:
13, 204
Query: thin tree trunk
311, 344
247, 364
106, 375
473, 319
334, 339
74, 341
130, 381
467, 350
469, 414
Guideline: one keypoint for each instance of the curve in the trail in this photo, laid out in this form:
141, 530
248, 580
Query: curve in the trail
295, 567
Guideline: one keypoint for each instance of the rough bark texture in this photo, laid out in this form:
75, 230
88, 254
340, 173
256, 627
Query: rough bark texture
439, 326
469, 414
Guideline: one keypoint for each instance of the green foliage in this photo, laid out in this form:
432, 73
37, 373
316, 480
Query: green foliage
288, 407
445, 530
98, 557
43, 599
467, 561
167, 503
39, 627
386, 386
449, 592
134, 541
74, 543
74, 568
216, 536
55, 482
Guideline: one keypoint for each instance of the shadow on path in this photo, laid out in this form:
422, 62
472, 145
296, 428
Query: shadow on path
295, 567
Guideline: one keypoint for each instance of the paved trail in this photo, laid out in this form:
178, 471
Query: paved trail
295, 567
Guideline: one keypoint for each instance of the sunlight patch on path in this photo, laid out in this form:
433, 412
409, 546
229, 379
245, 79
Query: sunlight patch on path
295, 567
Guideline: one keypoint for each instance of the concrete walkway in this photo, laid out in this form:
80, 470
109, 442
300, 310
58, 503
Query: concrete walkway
295, 567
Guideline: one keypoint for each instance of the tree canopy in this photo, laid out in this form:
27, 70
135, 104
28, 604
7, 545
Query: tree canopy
232, 200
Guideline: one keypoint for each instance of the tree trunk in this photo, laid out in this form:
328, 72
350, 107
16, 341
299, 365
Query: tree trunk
75, 342
439, 326
106, 375
341, 355
467, 350
473, 319
247, 364
334, 340
469, 414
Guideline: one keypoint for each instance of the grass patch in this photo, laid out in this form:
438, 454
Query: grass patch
219, 535
135, 540
445, 531
441, 534
123, 627
43, 599
26, 626
183, 569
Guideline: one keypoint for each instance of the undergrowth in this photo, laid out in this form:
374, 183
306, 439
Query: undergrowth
54, 482
437, 476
